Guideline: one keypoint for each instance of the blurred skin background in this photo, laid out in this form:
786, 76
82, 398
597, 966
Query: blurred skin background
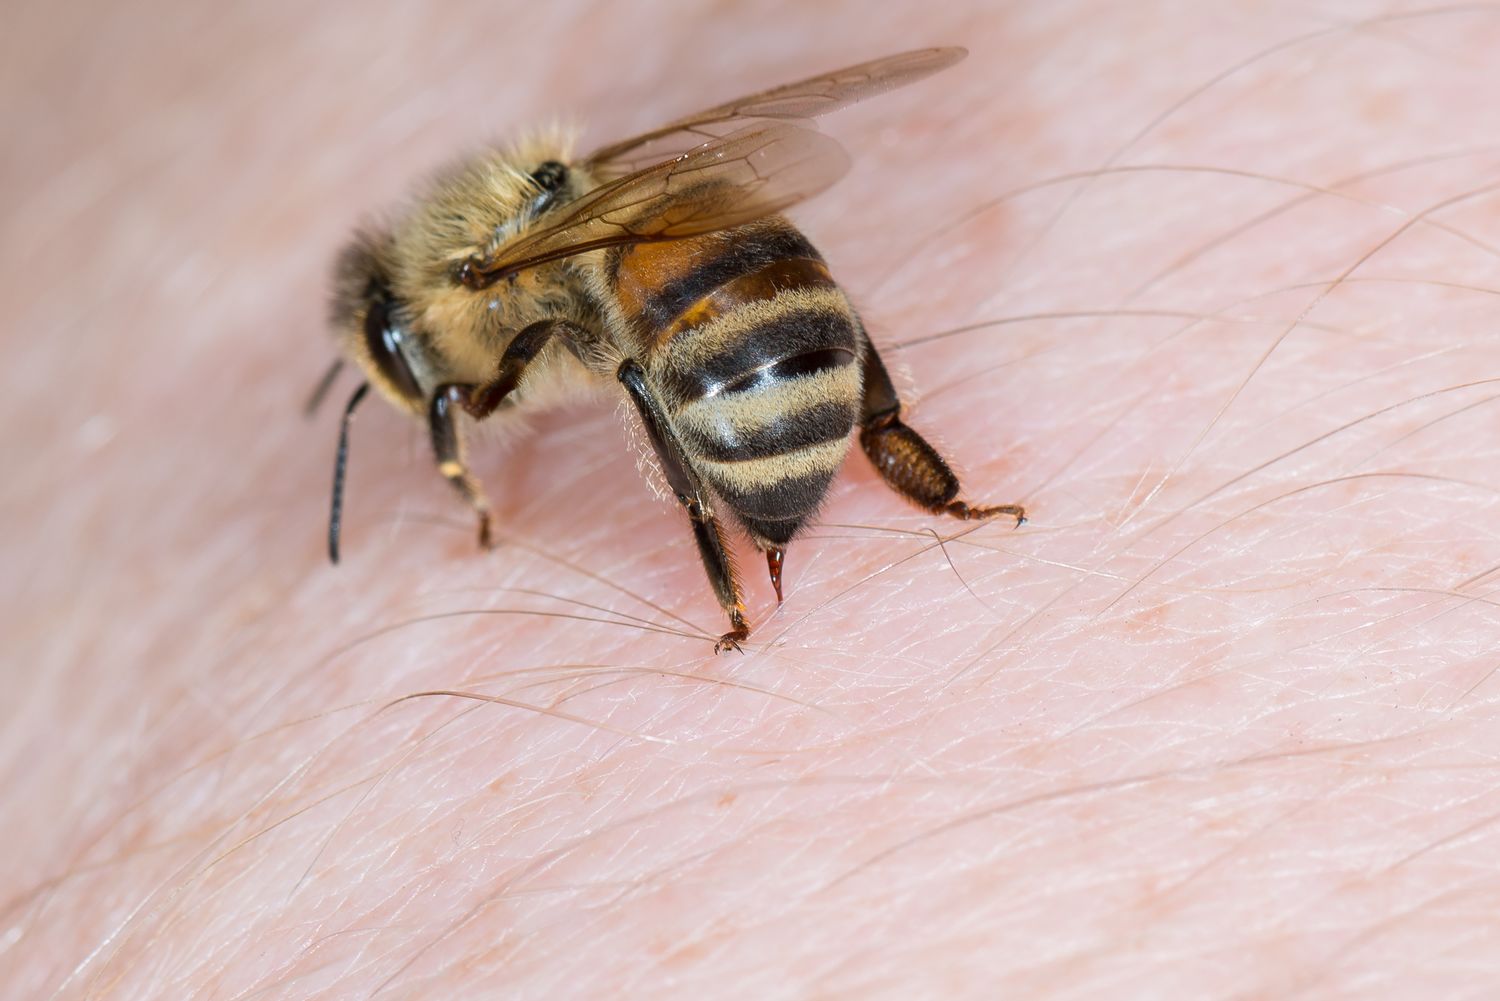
1211, 291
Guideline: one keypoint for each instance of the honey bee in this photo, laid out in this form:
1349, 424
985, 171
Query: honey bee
659, 265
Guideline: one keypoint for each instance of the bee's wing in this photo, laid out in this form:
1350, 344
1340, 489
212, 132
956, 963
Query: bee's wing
748, 174
803, 101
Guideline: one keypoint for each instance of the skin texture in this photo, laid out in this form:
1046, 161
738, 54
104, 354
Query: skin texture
1220, 721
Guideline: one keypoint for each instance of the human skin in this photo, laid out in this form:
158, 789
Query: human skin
1219, 721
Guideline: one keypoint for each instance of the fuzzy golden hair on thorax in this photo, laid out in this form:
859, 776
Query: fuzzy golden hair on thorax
469, 205
473, 205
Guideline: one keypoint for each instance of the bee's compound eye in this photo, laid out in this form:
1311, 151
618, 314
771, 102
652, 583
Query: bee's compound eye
383, 339
550, 175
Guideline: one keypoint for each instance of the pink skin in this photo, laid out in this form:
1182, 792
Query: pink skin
1219, 722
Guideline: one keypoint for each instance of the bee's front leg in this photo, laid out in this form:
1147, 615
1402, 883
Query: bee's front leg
448, 449
479, 402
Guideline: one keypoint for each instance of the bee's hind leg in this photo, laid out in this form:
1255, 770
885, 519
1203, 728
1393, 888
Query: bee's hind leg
905, 460
678, 469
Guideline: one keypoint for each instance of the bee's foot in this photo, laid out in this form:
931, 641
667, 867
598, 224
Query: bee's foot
731, 640
960, 510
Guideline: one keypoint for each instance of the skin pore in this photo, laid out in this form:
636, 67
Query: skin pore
1211, 291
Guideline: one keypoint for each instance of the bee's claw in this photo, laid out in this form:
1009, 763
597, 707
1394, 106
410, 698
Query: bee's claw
731, 640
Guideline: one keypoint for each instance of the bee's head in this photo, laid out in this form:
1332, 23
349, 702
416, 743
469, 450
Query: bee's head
375, 333
374, 328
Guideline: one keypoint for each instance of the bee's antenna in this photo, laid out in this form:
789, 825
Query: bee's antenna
341, 459
321, 389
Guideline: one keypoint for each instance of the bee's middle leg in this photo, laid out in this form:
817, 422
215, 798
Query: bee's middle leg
684, 481
523, 348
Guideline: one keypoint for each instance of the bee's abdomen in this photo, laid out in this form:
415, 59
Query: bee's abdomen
665, 288
761, 376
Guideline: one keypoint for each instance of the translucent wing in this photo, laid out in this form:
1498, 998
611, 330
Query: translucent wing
754, 172
803, 101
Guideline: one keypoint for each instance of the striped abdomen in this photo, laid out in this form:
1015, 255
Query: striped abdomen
755, 353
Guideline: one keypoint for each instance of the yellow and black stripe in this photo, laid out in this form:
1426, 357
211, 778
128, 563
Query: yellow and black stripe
755, 353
